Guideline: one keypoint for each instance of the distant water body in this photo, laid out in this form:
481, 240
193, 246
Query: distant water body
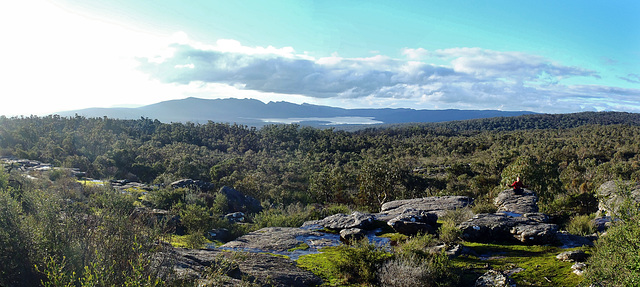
327, 121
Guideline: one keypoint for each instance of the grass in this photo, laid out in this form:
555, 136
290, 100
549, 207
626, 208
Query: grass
301, 246
539, 264
182, 241
323, 265
541, 268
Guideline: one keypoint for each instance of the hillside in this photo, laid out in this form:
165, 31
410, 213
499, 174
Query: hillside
256, 113
296, 174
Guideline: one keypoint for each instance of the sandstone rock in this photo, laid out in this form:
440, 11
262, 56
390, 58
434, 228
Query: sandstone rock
412, 222
509, 201
602, 223
352, 234
610, 195
271, 239
235, 217
343, 221
493, 278
567, 240
572, 256
240, 202
436, 204
262, 269
501, 227
578, 268
219, 234
536, 233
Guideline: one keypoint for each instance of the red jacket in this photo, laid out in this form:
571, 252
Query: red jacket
517, 185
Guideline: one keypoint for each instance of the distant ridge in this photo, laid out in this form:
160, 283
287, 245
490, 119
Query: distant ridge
256, 113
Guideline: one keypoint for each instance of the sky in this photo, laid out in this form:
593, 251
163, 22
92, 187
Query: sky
542, 56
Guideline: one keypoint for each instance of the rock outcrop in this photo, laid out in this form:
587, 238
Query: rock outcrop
500, 227
412, 222
235, 267
271, 239
519, 203
435, 204
345, 221
240, 202
611, 195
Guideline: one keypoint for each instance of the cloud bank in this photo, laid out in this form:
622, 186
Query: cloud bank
471, 78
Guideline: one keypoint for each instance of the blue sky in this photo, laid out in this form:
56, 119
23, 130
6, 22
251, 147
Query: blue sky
542, 56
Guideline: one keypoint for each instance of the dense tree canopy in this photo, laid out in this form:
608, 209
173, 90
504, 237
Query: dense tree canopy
563, 157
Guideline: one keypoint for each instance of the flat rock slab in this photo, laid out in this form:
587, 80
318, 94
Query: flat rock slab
520, 203
270, 239
500, 227
344, 221
262, 269
435, 204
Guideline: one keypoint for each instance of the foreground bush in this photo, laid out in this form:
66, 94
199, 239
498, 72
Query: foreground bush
415, 270
616, 260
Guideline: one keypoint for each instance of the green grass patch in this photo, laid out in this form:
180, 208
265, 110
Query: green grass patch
323, 265
300, 246
182, 241
541, 268
91, 182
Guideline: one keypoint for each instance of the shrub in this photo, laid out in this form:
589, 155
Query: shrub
581, 225
449, 233
458, 215
359, 262
484, 207
417, 244
616, 261
414, 270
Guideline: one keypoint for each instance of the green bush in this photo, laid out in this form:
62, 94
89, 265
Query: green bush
449, 232
616, 260
458, 215
484, 207
417, 244
581, 225
360, 261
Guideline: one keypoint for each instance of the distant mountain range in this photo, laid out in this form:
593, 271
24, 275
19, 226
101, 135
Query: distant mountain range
256, 113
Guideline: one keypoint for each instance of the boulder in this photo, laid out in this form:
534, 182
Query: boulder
568, 240
236, 268
493, 278
573, 256
219, 234
343, 221
602, 223
240, 202
235, 217
536, 233
519, 203
352, 234
193, 184
499, 227
611, 195
412, 222
435, 204
579, 268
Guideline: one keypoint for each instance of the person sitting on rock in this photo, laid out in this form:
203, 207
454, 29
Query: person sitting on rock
518, 186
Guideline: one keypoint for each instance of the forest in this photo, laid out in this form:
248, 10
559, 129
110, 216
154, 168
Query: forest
564, 158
